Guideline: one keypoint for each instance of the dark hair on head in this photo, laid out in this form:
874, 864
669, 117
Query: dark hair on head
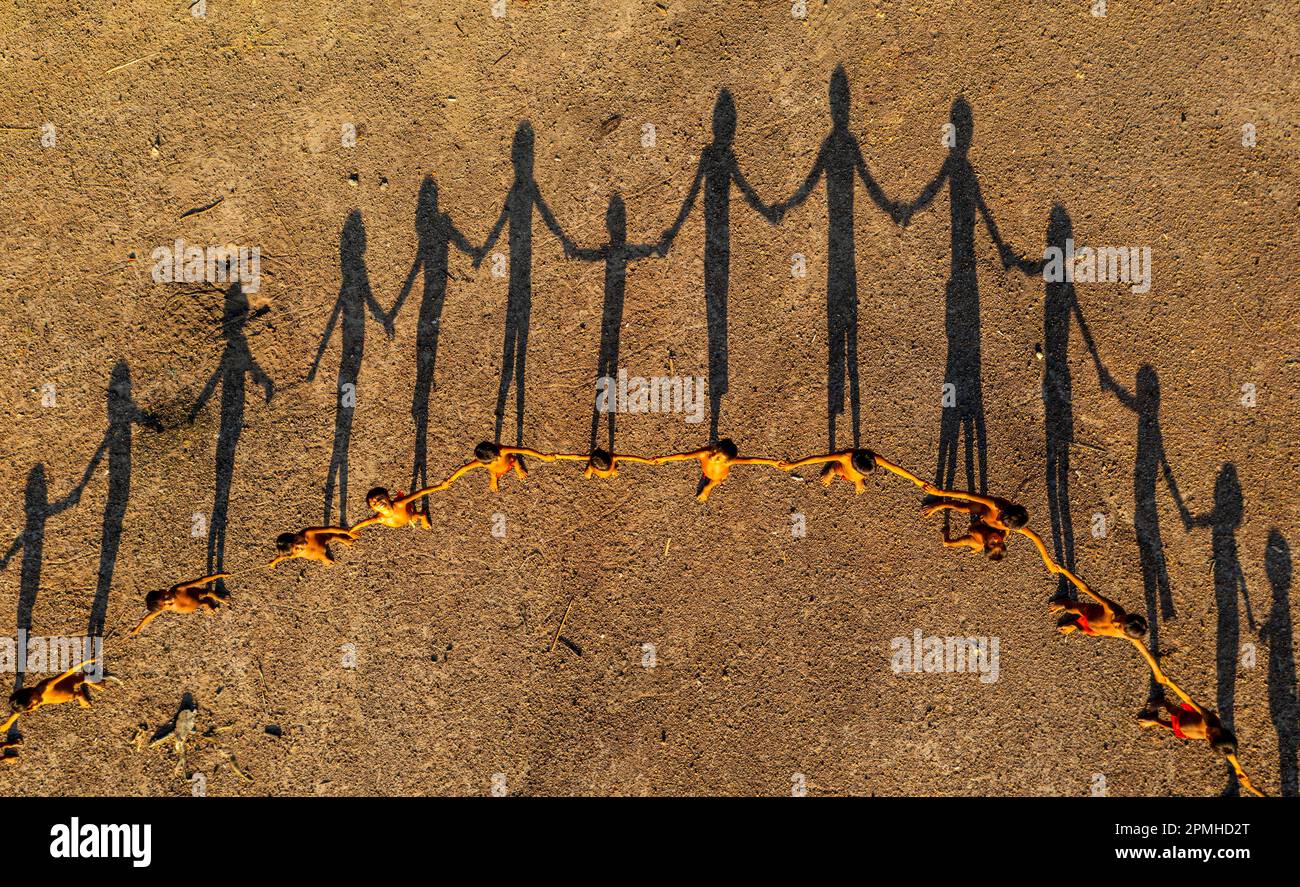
377, 493
486, 451
1135, 626
284, 540
601, 460
864, 461
20, 699
152, 599
727, 447
1015, 516
1224, 742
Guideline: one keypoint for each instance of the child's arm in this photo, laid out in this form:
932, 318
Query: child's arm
907, 475
149, 617
524, 450
197, 583
681, 457
810, 460
969, 497
368, 522
756, 460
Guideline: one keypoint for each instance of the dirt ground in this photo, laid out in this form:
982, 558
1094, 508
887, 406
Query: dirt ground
719, 652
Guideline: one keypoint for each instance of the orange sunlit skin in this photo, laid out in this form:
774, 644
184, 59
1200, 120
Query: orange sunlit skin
72, 684
850, 465
715, 464
1190, 721
393, 510
497, 460
310, 544
1001, 514
601, 463
185, 597
1103, 618
1186, 714
980, 537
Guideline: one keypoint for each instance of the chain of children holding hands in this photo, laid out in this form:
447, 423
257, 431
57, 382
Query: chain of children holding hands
991, 520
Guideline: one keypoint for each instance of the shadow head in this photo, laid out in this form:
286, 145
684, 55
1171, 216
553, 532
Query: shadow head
521, 150
839, 97
963, 122
426, 205
1227, 497
724, 119
616, 219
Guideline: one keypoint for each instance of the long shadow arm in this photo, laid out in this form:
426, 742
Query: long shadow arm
1010, 258
74, 495
771, 213
874, 191
495, 232
208, 389
670, 233
548, 217
810, 181
926, 197
325, 338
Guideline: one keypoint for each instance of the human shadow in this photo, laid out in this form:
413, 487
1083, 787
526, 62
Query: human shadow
1060, 305
1283, 703
840, 162
1149, 464
349, 315
616, 253
517, 210
37, 510
1229, 586
123, 412
435, 233
236, 363
716, 172
963, 410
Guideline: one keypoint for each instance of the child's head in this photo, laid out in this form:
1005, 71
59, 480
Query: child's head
1135, 626
23, 700
378, 499
601, 460
1015, 516
726, 447
863, 461
486, 451
157, 600
285, 543
1221, 739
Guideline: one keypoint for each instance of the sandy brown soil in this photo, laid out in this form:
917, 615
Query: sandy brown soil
772, 653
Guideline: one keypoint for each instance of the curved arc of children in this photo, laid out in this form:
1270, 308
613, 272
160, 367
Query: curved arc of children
991, 521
